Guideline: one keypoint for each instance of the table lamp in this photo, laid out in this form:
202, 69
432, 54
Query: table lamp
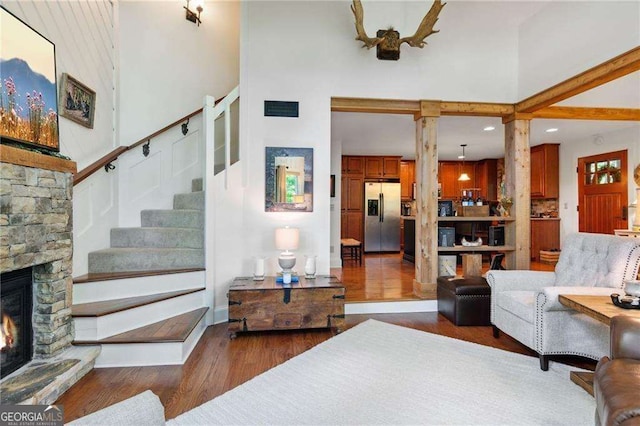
287, 239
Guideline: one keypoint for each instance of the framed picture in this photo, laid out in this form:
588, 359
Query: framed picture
77, 101
288, 179
28, 95
332, 188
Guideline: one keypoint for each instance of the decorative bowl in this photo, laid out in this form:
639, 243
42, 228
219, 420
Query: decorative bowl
632, 288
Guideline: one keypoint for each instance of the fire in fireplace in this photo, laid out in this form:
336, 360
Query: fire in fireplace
8, 334
16, 346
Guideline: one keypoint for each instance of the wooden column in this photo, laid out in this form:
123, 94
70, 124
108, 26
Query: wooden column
424, 285
517, 165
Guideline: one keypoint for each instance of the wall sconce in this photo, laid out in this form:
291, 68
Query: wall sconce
191, 15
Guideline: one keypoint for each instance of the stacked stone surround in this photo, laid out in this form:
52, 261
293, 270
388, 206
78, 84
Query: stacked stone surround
36, 221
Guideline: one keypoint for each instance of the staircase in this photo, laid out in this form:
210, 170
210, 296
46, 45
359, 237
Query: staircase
143, 298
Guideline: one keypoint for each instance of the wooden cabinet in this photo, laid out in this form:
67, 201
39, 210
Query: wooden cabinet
391, 167
352, 193
351, 225
266, 305
544, 171
486, 177
448, 174
407, 179
382, 167
545, 235
448, 179
352, 165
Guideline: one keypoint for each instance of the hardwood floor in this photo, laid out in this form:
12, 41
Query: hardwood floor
388, 277
219, 364
381, 277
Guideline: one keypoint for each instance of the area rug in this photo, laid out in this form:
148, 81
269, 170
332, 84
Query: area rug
378, 373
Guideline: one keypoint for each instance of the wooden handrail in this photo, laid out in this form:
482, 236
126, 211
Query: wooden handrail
97, 165
113, 155
165, 128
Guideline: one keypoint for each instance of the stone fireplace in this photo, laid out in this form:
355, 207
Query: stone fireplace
36, 220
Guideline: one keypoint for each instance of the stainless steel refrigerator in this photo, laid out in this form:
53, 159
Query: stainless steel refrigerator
382, 216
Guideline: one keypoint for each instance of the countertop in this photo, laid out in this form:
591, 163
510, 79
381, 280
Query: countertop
496, 218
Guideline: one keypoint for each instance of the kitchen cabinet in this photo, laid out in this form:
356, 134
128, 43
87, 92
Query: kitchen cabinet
351, 225
545, 235
448, 174
382, 167
352, 200
352, 165
407, 179
486, 178
409, 251
352, 194
544, 171
448, 179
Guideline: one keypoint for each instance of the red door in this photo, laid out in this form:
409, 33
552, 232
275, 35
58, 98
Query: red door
602, 192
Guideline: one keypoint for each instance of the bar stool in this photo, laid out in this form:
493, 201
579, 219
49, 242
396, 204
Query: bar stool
354, 249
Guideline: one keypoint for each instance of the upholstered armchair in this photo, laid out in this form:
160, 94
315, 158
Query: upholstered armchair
524, 304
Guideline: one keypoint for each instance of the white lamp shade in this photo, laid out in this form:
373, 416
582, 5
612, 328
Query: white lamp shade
287, 238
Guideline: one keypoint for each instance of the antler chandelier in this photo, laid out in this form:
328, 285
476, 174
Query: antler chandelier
387, 42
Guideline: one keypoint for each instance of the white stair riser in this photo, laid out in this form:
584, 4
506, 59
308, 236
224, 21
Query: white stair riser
95, 328
147, 354
98, 291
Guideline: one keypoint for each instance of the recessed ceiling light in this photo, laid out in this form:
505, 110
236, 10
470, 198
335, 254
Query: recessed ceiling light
460, 157
489, 128
551, 130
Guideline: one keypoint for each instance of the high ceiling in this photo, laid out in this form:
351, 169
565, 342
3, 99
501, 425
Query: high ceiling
392, 134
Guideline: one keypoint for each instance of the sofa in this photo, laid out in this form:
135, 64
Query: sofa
524, 304
616, 384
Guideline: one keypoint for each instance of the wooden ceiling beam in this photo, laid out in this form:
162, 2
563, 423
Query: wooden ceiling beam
607, 71
476, 109
582, 113
380, 106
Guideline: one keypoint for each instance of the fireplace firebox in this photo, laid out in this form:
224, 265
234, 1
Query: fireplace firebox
16, 307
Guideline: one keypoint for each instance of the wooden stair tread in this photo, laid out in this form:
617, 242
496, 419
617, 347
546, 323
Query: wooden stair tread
174, 329
106, 307
106, 276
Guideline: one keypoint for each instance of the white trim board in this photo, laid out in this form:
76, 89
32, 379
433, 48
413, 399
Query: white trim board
391, 307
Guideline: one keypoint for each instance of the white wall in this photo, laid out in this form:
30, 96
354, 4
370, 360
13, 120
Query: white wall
628, 139
566, 38
305, 51
168, 64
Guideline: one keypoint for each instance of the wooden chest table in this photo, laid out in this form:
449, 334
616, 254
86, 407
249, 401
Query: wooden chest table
266, 305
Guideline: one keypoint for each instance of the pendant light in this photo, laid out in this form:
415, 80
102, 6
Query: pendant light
463, 175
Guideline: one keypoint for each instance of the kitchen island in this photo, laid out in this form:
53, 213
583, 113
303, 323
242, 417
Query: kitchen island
409, 252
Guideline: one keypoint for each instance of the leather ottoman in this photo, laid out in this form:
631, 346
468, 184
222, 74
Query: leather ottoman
464, 301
